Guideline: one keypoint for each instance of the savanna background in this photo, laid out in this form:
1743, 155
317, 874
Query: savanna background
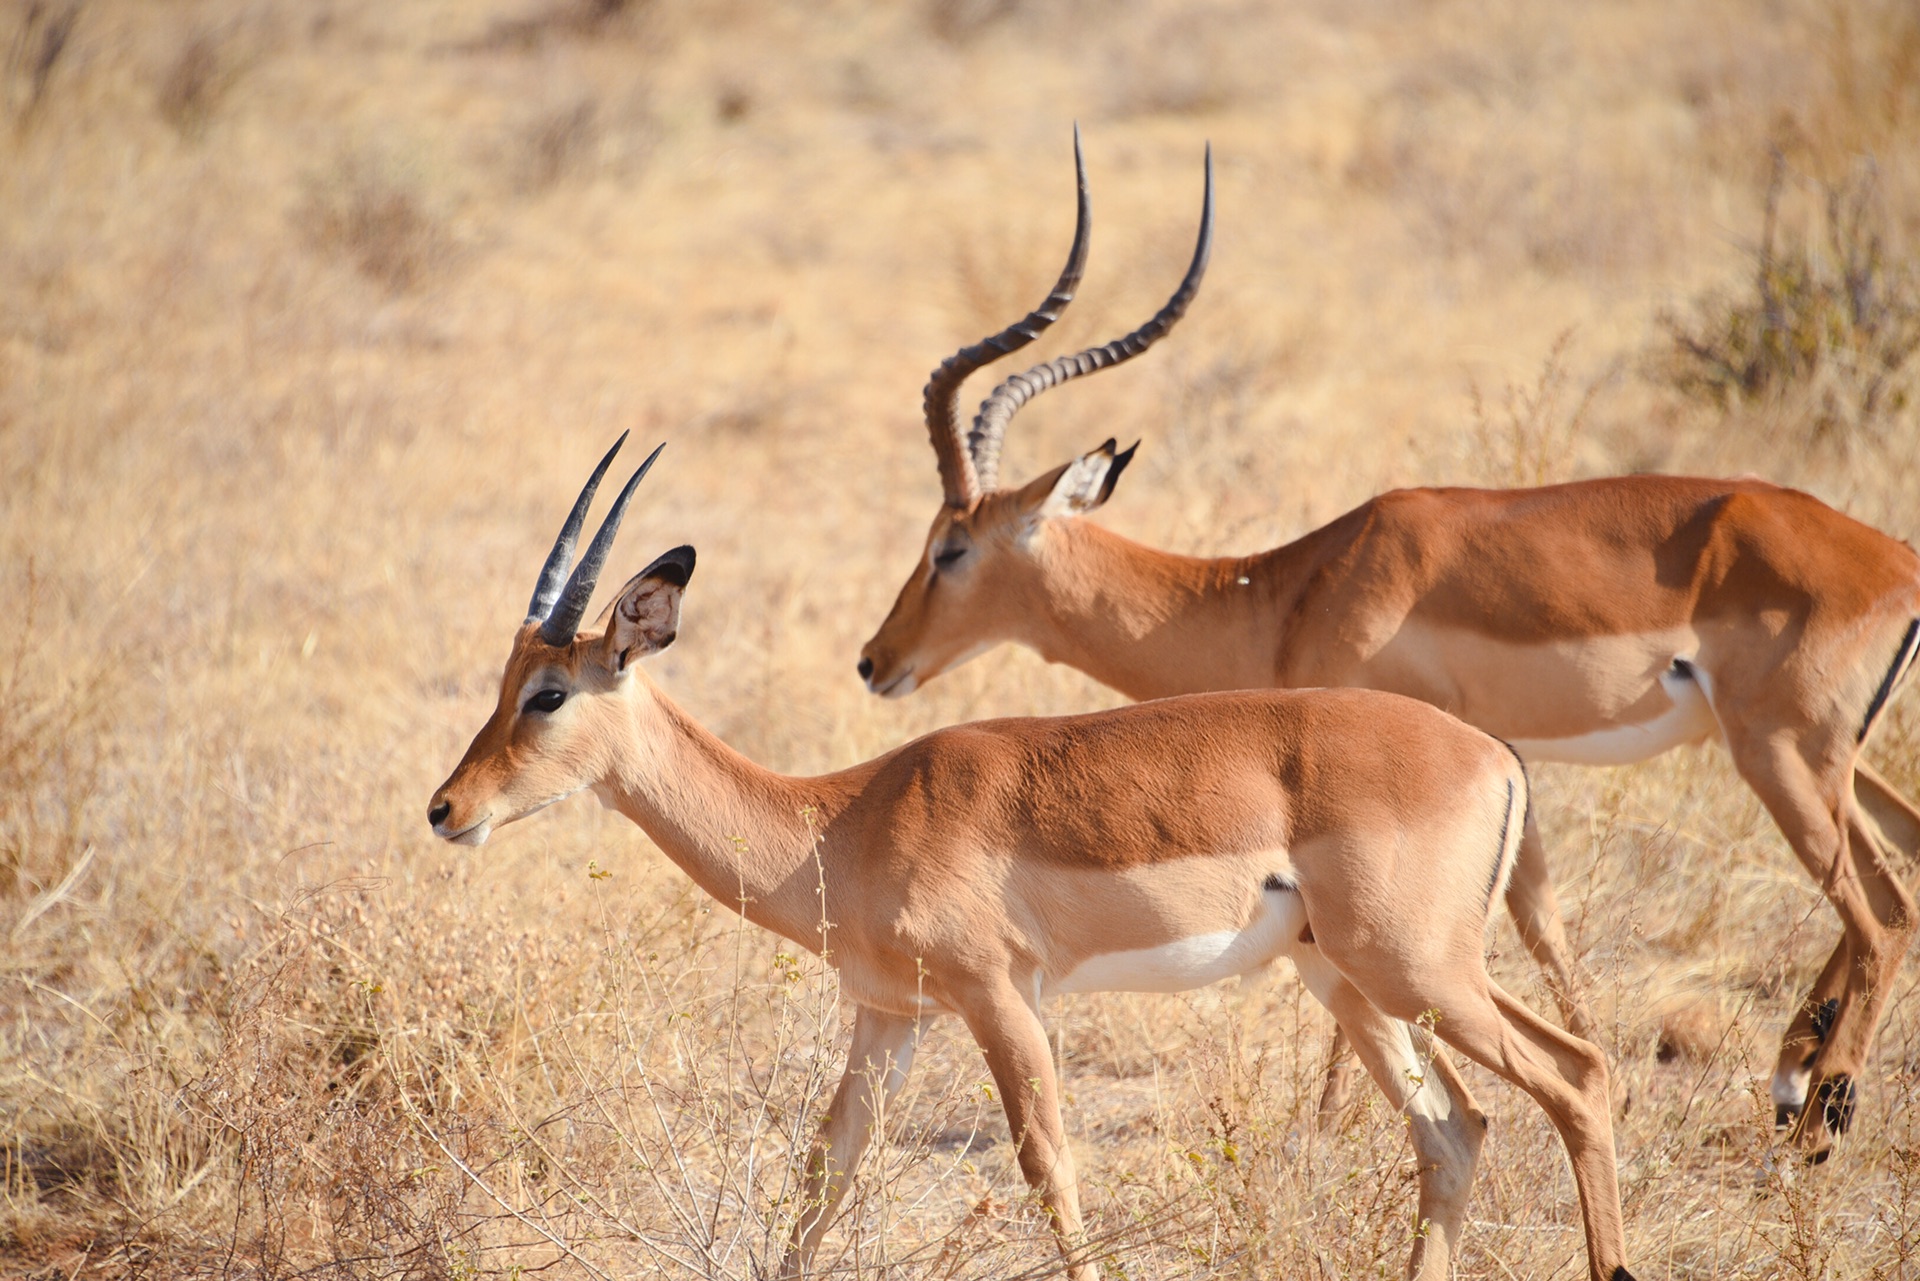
314, 313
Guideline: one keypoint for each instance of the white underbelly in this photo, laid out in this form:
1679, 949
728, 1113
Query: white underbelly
1689, 720
1194, 961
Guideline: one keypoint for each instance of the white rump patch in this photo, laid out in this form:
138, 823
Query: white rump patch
1689, 720
1194, 961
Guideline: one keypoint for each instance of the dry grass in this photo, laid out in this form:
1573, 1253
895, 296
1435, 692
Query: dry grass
311, 315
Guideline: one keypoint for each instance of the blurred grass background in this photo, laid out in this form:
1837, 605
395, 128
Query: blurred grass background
313, 313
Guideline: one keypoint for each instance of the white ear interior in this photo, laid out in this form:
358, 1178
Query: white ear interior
644, 620
1080, 486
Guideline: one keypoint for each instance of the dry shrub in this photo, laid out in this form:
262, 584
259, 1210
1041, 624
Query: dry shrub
1831, 317
329, 1169
198, 80
960, 22
562, 20
1868, 57
371, 212
559, 141
388, 1106
50, 756
1467, 192
43, 36
1533, 437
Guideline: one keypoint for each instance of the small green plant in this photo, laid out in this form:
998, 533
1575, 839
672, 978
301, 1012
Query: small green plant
1835, 315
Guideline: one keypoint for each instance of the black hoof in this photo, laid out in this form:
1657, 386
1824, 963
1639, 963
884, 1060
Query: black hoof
1823, 1018
1820, 1157
1785, 1114
1621, 1274
1837, 1099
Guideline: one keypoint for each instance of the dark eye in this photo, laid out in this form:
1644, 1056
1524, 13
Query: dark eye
547, 700
946, 558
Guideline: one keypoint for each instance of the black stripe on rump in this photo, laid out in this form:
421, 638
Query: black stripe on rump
1900, 660
1500, 855
1278, 884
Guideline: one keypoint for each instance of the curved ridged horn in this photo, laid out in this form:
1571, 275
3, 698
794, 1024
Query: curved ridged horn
998, 409
553, 574
564, 621
957, 476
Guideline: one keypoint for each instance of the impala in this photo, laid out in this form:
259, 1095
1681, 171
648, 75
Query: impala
1601, 622
984, 867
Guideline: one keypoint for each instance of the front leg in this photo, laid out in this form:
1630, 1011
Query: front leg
1015, 1043
877, 1066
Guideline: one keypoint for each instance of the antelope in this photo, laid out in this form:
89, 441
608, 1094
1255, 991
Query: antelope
1601, 622
982, 868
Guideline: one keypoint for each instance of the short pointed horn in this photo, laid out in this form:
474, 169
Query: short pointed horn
997, 410
564, 621
553, 574
957, 476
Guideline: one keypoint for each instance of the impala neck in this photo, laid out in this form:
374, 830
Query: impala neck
1149, 623
741, 831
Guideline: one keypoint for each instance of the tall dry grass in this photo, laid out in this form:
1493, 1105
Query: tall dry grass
311, 317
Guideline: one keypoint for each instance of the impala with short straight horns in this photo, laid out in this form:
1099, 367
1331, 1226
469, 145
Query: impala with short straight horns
982, 869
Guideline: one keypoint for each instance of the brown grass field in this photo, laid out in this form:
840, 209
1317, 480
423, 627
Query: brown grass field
313, 313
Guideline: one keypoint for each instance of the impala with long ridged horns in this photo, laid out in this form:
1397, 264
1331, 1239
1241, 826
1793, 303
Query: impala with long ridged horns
1600, 622
982, 868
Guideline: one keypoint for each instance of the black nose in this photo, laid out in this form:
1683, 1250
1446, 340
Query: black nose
438, 814
866, 668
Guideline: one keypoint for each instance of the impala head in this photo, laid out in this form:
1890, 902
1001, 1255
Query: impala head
564, 696
982, 570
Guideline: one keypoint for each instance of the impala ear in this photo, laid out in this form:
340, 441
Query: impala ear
1081, 485
646, 616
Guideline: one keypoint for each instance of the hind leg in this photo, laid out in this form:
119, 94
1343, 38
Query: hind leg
1567, 1077
1443, 1124
1343, 1075
1809, 792
1793, 1070
1536, 914
1895, 817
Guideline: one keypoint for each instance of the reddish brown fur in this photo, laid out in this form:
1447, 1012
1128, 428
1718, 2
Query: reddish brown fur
966, 870
1551, 616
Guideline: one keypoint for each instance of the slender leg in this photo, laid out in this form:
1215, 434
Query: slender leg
1565, 1075
1896, 817
877, 1066
1793, 1070
1341, 1078
1444, 1125
1536, 914
1813, 807
1015, 1044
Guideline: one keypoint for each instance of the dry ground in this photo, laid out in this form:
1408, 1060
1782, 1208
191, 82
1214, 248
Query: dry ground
312, 315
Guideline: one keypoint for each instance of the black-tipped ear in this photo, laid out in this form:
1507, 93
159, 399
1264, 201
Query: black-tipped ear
675, 567
1081, 485
1120, 461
